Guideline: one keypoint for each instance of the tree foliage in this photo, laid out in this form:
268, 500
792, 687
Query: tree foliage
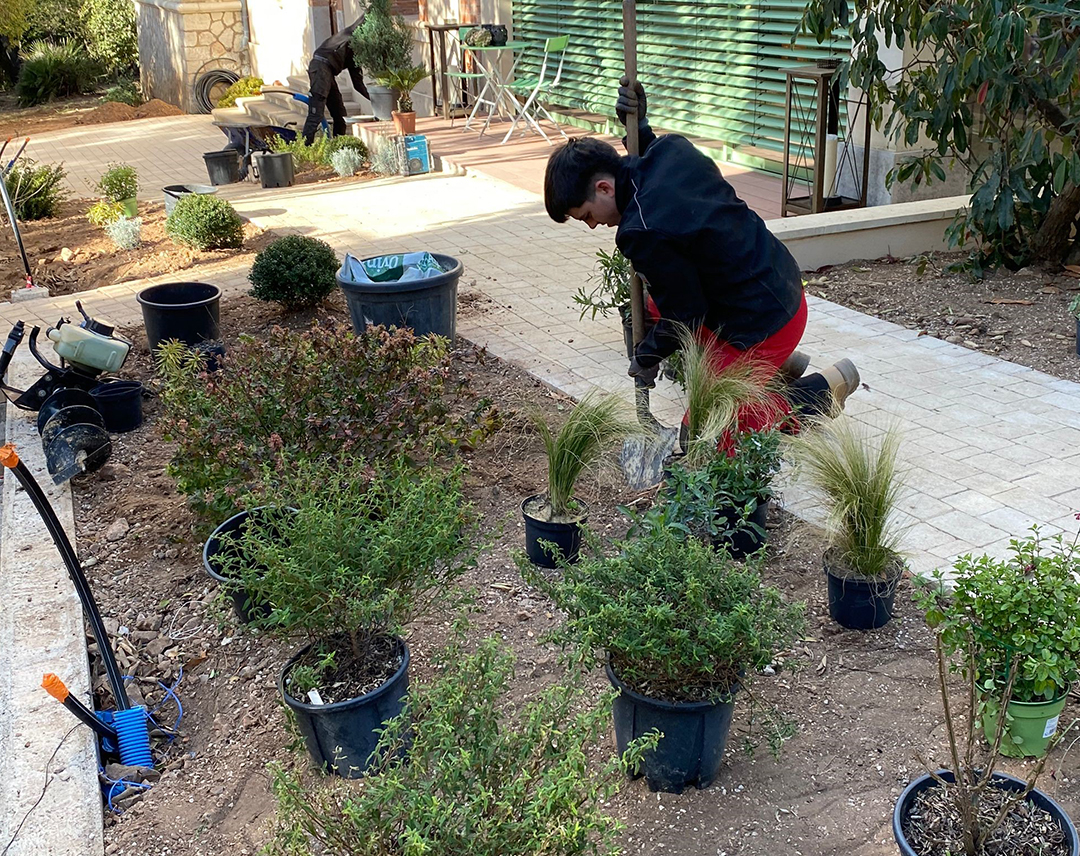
992, 85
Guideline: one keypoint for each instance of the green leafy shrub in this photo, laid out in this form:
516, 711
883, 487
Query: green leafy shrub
36, 189
53, 20
360, 553
346, 141
383, 42
304, 156
1026, 606
482, 775
244, 87
205, 223
103, 212
679, 620
110, 32
127, 92
54, 70
610, 289
119, 182
297, 396
295, 271
346, 162
125, 232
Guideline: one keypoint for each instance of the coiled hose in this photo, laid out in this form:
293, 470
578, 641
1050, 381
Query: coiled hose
205, 82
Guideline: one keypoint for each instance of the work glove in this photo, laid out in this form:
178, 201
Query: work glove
646, 374
630, 99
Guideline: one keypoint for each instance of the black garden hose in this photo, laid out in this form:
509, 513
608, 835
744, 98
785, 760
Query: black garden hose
205, 82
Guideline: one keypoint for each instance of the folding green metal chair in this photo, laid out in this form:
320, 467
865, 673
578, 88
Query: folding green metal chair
540, 87
464, 76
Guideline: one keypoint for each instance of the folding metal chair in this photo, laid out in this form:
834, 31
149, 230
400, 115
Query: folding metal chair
536, 87
464, 76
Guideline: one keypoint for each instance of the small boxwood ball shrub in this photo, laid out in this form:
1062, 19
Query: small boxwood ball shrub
295, 271
205, 223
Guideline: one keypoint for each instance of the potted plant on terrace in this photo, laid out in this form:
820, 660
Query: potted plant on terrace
857, 479
361, 553
120, 184
553, 519
481, 776
973, 810
680, 628
403, 81
382, 43
1018, 621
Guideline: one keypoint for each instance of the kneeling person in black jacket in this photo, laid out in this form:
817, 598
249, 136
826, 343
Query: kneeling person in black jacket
332, 57
710, 262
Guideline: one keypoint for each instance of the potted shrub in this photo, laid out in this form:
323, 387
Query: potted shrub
973, 810
1028, 602
361, 553
482, 775
382, 43
403, 81
120, 184
296, 271
553, 519
680, 628
857, 481
205, 223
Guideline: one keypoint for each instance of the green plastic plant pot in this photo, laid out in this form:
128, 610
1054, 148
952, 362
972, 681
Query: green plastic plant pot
1028, 727
130, 206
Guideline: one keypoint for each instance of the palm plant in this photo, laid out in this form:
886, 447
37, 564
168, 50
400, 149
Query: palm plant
403, 81
597, 422
857, 477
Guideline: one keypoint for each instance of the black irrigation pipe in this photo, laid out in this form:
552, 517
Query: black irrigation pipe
204, 83
10, 459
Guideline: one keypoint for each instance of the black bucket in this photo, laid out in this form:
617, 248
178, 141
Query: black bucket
64, 397
213, 551
692, 748
859, 603
175, 192
75, 441
187, 311
340, 737
746, 539
565, 536
1006, 782
223, 167
120, 402
274, 169
425, 305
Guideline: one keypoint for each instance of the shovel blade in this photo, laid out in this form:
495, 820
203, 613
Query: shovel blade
642, 458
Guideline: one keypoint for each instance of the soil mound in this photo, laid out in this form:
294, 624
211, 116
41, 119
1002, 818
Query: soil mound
156, 107
110, 111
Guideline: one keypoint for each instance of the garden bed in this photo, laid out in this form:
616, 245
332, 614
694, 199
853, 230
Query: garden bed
1022, 317
68, 254
860, 705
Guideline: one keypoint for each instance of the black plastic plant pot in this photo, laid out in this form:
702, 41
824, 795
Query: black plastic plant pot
1009, 783
223, 167
187, 311
340, 737
748, 538
222, 543
426, 305
858, 603
65, 397
695, 735
120, 403
274, 169
565, 536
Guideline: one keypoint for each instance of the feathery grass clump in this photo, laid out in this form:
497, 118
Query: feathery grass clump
857, 478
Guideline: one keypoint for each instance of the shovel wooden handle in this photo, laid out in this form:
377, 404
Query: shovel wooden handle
637, 293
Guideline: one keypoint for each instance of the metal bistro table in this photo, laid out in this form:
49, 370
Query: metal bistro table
495, 93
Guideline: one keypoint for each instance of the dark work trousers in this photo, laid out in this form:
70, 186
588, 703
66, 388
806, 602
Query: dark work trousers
324, 94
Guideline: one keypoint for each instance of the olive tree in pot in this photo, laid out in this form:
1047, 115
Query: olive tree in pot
680, 628
553, 519
482, 775
973, 810
403, 81
856, 477
382, 43
1029, 603
364, 552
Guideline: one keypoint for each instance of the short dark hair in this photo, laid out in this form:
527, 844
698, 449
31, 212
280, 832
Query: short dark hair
571, 175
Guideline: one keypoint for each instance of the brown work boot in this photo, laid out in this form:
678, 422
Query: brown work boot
794, 367
843, 379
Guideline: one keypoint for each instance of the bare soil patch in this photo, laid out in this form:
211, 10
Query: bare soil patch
1022, 317
67, 254
862, 704
16, 121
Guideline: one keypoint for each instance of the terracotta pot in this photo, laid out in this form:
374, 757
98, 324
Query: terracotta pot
404, 123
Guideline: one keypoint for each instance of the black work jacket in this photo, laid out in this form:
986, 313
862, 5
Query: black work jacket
708, 259
337, 53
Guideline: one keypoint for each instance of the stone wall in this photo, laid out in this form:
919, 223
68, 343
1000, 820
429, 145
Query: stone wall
179, 40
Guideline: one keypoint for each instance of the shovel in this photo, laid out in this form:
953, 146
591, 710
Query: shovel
642, 458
